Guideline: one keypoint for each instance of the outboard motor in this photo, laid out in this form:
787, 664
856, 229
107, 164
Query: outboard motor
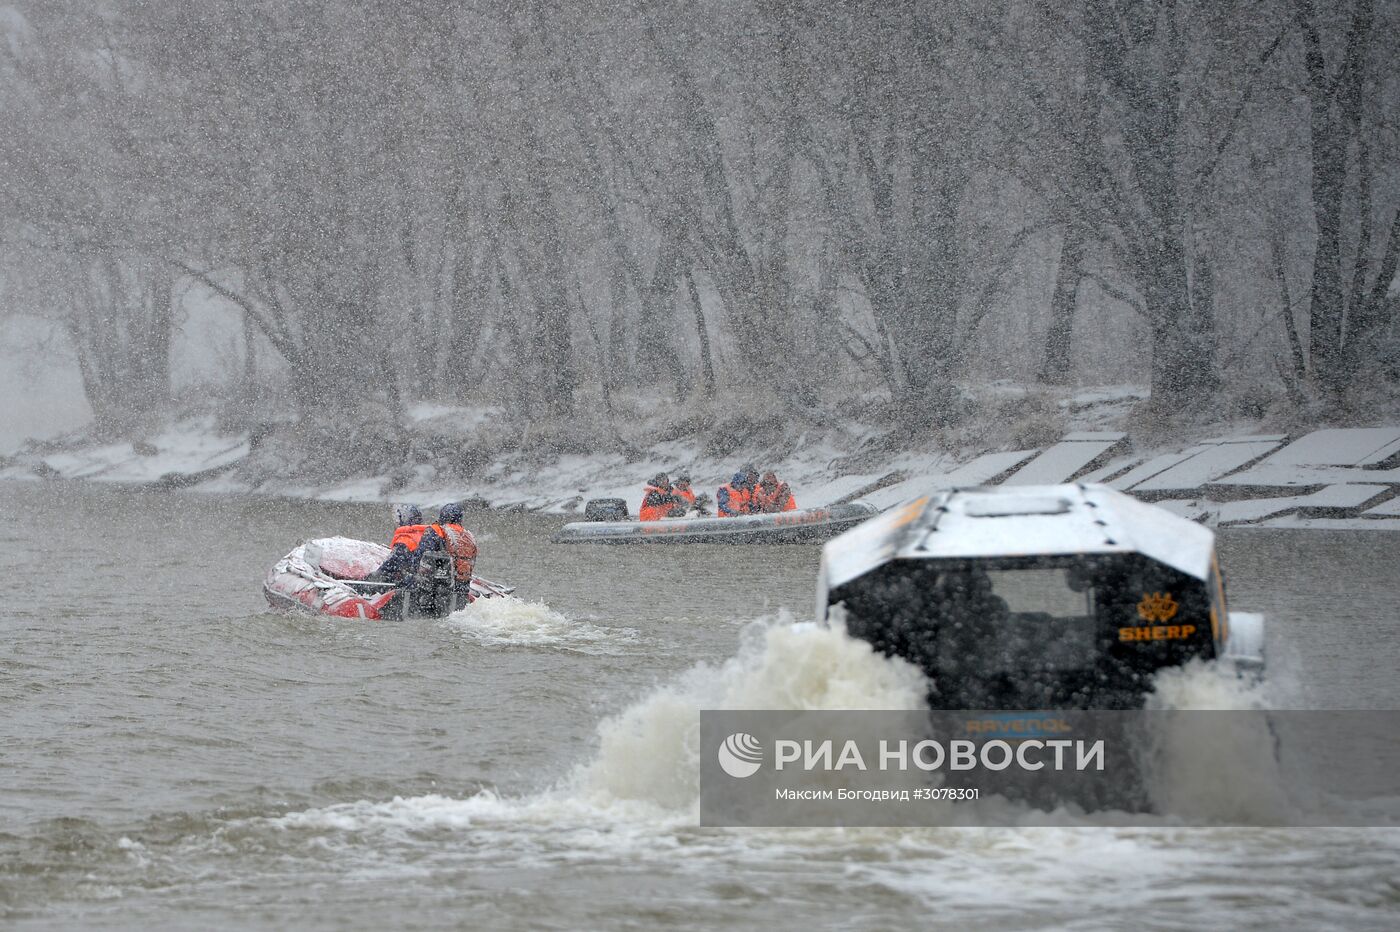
605, 509
434, 595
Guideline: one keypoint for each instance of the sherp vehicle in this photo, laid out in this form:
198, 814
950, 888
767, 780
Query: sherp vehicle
1049, 597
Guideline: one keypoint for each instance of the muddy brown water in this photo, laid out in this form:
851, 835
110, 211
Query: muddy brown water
173, 754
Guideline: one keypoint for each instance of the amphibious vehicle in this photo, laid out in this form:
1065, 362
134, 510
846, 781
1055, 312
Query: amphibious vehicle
1036, 597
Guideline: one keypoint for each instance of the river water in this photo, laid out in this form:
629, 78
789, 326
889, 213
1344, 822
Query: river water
172, 754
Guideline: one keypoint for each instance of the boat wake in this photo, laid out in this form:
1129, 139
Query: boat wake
647, 763
636, 800
639, 794
513, 622
649, 753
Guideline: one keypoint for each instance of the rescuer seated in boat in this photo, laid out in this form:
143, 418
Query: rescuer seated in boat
682, 488
773, 496
408, 534
449, 536
661, 500
696, 506
738, 497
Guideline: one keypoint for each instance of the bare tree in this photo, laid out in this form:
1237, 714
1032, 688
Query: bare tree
1346, 305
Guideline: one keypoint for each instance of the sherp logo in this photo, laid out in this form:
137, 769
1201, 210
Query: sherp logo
740, 755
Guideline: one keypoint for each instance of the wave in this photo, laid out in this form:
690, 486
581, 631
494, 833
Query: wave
512, 622
648, 755
635, 800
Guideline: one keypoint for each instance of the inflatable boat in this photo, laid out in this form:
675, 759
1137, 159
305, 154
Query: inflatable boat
806, 525
327, 576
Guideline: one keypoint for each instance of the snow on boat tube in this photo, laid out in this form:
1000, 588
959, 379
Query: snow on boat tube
803, 526
326, 577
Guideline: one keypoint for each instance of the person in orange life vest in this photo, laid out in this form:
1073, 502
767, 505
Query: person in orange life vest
682, 488
774, 496
737, 498
403, 548
698, 504
660, 500
449, 535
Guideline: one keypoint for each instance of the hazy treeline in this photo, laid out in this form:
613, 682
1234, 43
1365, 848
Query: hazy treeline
556, 206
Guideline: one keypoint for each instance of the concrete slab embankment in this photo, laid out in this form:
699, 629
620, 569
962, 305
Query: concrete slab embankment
1328, 478
1345, 477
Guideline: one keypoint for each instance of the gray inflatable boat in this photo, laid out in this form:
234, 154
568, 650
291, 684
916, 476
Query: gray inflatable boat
807, 525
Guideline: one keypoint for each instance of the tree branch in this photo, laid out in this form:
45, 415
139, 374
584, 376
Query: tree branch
1204, 173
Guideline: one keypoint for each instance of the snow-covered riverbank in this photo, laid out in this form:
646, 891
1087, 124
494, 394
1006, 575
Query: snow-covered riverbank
1332, 477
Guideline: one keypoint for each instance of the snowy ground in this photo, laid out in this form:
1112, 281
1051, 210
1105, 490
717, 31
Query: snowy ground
1330, 478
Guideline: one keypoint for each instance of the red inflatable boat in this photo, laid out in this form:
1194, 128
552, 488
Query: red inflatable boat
327, 577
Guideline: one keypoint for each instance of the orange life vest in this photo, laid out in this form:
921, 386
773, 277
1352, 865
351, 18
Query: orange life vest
688, 495
460, 544
734, 501
780, 499
409, 535
656, 503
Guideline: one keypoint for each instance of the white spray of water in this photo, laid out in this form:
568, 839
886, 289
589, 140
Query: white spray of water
1214, 767
512, 622
646, 769
645, 775
650, 751
1200, 685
